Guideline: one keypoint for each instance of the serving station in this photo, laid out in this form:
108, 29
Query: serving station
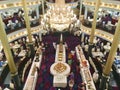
85, 72
33, 74
60, 69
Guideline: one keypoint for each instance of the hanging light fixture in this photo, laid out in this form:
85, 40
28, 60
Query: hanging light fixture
59, 15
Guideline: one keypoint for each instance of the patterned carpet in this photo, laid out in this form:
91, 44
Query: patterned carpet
45, 79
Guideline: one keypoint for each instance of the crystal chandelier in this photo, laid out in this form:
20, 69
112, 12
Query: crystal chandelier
59, 15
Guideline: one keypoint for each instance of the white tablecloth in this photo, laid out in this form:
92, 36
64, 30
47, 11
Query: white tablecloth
63, 54
117, 57
16, 46
107, 48
95, 54
60, 81
22, 53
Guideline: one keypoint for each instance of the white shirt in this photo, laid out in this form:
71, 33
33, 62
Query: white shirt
95, 76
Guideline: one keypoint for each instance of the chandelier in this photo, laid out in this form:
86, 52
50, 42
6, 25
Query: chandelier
59, 15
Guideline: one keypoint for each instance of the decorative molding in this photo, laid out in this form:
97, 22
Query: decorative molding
17, 4
103, 4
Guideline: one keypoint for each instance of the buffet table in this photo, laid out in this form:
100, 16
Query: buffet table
85, 72
60, 69
60, 81
60, 53
32, 76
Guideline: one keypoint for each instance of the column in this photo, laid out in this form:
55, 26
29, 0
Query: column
43, 10
0, 46
85, 13
93, 26
80, 12
80, 8
8, 54
37, 11
27, 21
111, 57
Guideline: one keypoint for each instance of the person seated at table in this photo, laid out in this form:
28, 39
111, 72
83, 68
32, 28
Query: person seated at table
107, 18
1, 63
37, 69
102, 46
71, 83
28, 52
39, 50
23, 45
114, 20
72, 75
95, 77
46, 45
107, 47
69, 55
72, 53
54, 45
81, 86
10, 25
17, 51
70, 61
78, 67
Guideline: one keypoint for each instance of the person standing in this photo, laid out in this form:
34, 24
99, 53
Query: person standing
37, 69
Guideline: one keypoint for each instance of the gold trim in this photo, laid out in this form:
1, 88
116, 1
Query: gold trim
103, 4
17, 4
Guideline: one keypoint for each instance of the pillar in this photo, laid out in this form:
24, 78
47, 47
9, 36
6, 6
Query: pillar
43, 10
0, 46
85, 13
111, 56
93, 26
80, 12
37, 12
8, 54
27, 21
80, 8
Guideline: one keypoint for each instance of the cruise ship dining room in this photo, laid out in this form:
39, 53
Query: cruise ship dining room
59, 44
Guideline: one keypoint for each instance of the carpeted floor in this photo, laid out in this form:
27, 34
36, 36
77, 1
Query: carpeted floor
45, 79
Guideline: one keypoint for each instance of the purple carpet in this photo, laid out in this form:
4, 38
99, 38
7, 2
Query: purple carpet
45, 79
